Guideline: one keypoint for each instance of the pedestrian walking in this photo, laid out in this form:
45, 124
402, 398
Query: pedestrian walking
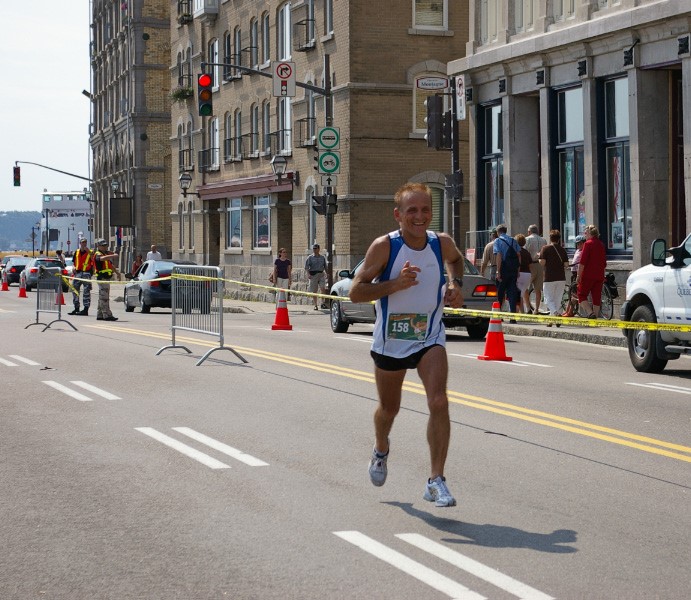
488, 258
403, 272
153, 254
315, 265
524, 275
554, 261
591, 272
283, 270
104, 269
83, 271
534, 242
507, 252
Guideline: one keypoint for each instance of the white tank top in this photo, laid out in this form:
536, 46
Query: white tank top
410, 320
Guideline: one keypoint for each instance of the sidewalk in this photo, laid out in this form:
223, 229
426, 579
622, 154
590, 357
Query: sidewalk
605, 336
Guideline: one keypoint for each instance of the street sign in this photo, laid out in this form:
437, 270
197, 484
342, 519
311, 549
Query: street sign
460, 98
329, 138
283, 75
329, 162
329, 180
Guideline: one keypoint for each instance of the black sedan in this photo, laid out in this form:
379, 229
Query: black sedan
151, 285
13, 267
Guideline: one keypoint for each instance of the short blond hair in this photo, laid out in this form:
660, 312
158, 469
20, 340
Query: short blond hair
411, 188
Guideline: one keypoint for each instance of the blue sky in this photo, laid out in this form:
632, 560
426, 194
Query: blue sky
44, 118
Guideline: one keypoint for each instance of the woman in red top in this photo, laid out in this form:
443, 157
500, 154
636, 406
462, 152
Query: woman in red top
591, 272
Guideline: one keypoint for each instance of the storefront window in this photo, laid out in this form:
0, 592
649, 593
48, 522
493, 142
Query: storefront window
616, 99
262, 222
493, 166
234, 224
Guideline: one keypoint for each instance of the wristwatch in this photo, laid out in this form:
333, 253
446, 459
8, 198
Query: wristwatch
458, 281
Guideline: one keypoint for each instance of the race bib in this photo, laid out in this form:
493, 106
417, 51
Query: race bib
407, 327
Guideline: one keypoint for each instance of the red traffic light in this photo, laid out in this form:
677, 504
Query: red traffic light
205, 80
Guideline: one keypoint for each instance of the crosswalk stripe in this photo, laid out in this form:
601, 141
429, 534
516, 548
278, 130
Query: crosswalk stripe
65, 390
8, 363
95, 390
205, 459
496, 578
24, 360
221, 447
413, 568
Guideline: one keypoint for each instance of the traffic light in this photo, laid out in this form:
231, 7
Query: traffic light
319, 204
446, 130
434, 120
17, 176
205, 84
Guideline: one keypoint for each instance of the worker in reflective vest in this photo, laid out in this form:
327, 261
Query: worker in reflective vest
104, 272
83, 271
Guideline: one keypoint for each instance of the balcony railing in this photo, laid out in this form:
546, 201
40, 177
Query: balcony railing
250, 145
279, 142
208, 160
306, 132
303, 35
232, 149
184, 11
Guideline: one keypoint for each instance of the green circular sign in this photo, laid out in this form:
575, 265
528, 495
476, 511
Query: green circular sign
329, 162
329, 138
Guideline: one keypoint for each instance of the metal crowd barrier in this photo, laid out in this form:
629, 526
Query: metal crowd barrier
49, 296
197, 305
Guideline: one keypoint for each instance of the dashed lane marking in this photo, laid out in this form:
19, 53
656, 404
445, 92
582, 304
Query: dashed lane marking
662, 387
97, 391
68, 392
26, 361
205, 459
221, 447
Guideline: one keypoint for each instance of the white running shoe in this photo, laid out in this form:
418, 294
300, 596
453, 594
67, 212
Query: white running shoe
377, 468
437, 492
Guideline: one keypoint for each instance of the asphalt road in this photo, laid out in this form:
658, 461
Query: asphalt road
128, 474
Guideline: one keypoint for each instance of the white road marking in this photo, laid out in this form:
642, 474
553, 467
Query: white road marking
205, 459
24, 360
496, 578
420, 572
95, 390
65, 390
515, 363
663, 387
221, 447
8, 363
352, 338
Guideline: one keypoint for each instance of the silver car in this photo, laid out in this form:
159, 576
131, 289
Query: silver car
478, 293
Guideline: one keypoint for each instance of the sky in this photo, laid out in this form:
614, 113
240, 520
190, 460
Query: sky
44, 118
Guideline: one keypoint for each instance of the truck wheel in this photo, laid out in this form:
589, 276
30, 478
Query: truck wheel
642, 343
338, 325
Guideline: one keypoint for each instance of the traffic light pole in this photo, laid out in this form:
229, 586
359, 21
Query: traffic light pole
26, 162
456, 173
331, 201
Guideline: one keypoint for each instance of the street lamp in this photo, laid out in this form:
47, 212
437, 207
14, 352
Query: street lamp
34, 229
115, 186
185, 181
279, 164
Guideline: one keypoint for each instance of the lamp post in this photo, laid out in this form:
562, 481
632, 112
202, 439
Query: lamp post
185, 181
279, 164
34, 229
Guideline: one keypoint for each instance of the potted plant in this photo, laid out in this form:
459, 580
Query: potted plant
181, 93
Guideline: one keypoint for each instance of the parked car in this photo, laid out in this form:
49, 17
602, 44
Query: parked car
144, 290
69, 265
33, 269
4, 260
13, 267
478, 293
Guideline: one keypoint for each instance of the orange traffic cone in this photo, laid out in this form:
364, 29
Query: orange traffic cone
5, 285
60, 299
494, 343
22, 285
282, 320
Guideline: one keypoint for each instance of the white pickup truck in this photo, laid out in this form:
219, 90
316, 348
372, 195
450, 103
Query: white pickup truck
659, 293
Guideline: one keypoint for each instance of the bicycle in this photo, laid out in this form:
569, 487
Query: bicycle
569, 299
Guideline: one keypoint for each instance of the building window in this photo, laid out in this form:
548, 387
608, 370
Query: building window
312, 236
490, 20
181, 225
524, 11
569, 161
430, 14
238, 134
492, 165
254, 43
237, 56
563, 9
228, 139
328, 17
266, 127
619, 222
310, 22
213, 58
283, 52
214, 143
190, 225
227, 56
311, 114
254, 130
262, 222
266, 39
234, 223
284, 125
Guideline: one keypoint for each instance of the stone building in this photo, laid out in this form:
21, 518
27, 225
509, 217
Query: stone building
580, 112
130, 124
385, 59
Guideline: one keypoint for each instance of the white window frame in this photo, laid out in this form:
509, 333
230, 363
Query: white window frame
284, 33
213, 58
328, 17
266, 39
285, 127
214, 143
